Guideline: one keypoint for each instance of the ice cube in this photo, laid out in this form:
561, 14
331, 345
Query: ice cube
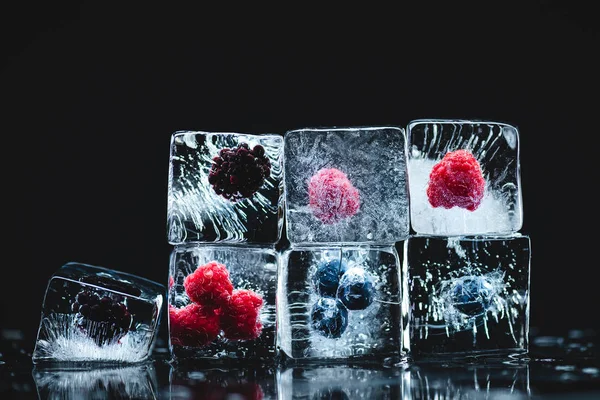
339, 382
469, 296
107, 382
192, 382
225, 187
346, 185
222, 302
464, 177
357, 317
95, 314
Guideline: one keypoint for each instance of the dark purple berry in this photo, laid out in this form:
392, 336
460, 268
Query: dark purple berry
239, 173
329, 317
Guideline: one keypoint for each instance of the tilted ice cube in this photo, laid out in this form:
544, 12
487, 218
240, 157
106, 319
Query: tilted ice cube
340, 303
95, 314
222, 302
225, 187
339, 382
346, 185
464, 177
137, 381
468, 296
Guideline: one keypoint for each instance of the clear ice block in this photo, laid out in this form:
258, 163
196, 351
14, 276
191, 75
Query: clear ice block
339, 382
225, 187
95, 314
338, 304
469, 296
470, 199
115, 382
222, 302
346, 185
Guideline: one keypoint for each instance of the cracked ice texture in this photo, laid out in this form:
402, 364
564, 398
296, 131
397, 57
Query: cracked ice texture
468, 295
196, 213
373, 160
495, 146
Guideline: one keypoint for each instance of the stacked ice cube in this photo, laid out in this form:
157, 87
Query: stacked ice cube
346, 204
467, 263
224, 218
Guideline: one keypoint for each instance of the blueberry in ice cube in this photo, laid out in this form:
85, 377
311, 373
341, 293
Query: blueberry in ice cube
327, 276
329, 317
356, 289
472, 295
331, 394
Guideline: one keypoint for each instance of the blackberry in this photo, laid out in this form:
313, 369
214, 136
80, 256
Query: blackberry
240, 172
329, 317
327, 276
356, 289
104, 319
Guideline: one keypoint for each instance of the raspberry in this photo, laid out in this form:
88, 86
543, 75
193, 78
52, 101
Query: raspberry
193, 325
209, 285
240, 172
240, 319
456, 181
332, 197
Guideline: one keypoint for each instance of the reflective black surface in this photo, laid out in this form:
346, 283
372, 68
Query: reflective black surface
558, 367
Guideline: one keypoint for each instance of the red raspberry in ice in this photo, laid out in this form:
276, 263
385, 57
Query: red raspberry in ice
193, 325
456, 181
209, 285
332, 197
240, 172
240, 319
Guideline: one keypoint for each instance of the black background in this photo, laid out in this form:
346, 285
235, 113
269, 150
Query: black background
92, 93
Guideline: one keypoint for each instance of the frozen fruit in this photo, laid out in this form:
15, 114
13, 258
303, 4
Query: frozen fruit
209, 285
472, 295
332, 197
241, 316
329, 317
327, 276
456, 181
104, 319
240, 172
356, 289
193, 325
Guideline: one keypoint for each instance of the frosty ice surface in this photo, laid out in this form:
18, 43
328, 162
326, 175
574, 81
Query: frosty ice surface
340, 303
95, 314
222, 302
452, 196
225, 187
346, 185
468, 296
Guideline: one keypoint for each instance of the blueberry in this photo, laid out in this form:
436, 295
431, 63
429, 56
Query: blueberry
472, 295
356, 289
327, 276
329, 317
331, 394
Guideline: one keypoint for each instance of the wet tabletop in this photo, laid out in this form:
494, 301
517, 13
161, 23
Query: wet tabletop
558, 367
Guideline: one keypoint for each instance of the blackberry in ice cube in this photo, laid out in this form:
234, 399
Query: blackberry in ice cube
327, 276
356, 290
329, 317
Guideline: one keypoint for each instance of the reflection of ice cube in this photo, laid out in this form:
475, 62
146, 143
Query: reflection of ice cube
249, 268
468, 295
93, 314
371, 331
496, 148
133, 382
331, 172
197, 213
339, 382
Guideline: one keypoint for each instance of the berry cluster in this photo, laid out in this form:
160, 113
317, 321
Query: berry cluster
332, 197
105, 319
216, 308
341, 289
456, 181
240, 172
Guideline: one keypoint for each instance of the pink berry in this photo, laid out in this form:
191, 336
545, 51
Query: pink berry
209, 285
332, 197
240, 318
193, 325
